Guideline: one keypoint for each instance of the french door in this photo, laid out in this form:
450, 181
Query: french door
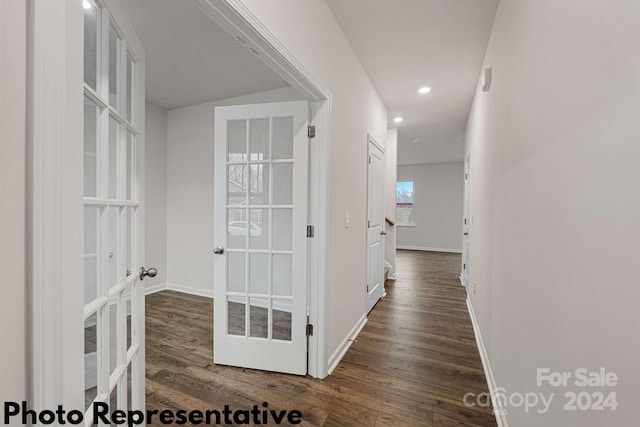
113, 212
260, 216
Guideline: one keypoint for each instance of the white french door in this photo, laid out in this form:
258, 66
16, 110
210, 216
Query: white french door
375, 226
260, 222
113, 211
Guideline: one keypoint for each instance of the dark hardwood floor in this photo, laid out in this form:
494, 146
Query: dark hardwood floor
411, 365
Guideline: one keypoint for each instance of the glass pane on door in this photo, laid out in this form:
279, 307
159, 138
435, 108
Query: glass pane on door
91, 347
113, 334
91, 151
114, 246
282, 319
91, 43
114, 62
259, 139
130, 89
114, 153
283, 138
236, 312
131, 166
282, 184
259, 317
92, 251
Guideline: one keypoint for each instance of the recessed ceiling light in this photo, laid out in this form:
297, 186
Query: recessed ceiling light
415, 140
86, 4
424, 90
398, 119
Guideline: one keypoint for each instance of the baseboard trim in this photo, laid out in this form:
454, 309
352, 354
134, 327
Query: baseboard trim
337, 355
391, 275
178, 288
429, 249
498, 410
155, 288
190, 290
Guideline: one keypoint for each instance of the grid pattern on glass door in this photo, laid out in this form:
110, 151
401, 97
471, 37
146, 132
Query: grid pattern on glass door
260, 227
111, 206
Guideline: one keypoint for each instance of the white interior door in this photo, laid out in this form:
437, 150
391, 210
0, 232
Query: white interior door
466, 227
260, 221
113, 211
375, 226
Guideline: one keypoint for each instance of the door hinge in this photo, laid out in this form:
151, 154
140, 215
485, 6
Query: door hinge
464, 266
367, 288
369, 159
309, 329
311, 131
311, 231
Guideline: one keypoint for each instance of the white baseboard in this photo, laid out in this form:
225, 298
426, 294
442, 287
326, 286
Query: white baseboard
155, 288
337, 355
179, 288
429, 249
498, 410
190, 290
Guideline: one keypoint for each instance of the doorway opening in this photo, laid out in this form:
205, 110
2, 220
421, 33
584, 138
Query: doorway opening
145, 149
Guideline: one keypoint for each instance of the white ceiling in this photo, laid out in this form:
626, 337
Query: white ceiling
406, 44
190, 59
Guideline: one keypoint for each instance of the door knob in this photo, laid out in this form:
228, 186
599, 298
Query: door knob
151, 272
466, 233
219, 250
383, 233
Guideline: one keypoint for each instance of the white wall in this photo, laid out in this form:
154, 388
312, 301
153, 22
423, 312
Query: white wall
156, 193
556, 201
190, 189
434, 147
310, 32
13, 94
391, 170
438, 189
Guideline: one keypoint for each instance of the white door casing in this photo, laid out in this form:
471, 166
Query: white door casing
260, 219
375, 225
466, 226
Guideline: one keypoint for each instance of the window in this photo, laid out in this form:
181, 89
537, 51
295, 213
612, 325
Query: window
404, 203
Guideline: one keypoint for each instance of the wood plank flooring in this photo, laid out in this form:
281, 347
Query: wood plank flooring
411, 365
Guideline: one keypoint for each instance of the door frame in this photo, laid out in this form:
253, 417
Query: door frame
237, 20
55, 160
466, 224
371, 140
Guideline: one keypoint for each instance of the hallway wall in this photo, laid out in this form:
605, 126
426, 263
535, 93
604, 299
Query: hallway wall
156, 193
555, 199
438, 189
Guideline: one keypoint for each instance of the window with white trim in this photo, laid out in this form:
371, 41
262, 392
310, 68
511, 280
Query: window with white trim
404, 203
